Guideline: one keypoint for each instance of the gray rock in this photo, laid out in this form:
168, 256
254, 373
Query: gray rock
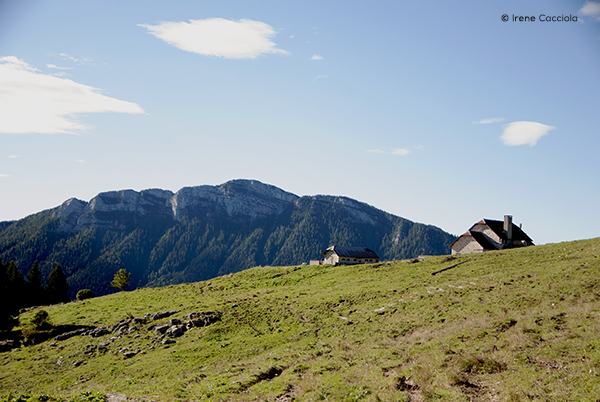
71, 334
175, 331
203, 319
100, 331
162, 314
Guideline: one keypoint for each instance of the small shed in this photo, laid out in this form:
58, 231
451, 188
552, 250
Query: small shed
336, 255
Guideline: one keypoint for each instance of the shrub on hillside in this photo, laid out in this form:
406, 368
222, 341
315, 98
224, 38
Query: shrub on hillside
85, 294
41, 320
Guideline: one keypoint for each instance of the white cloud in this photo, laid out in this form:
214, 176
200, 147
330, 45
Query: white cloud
489, 121
318, 77
400, 151
13, 156
396, 151
58, 68
4, 175
34, 102
79, 161
82, 61
316, 57
591, 9
524, 132
244, 39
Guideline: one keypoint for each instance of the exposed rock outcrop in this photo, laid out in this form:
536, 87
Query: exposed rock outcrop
238, 197
249, 198
100, 210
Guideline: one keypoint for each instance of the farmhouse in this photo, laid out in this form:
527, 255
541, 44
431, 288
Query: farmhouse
336, 255
488, 235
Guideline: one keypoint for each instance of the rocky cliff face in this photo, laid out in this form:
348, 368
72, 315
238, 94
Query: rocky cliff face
249, 198
244, 198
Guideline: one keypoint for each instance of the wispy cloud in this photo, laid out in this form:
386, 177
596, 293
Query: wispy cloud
395, 151
218, 37
489, 121
34, 102
13, 156
57, 67
4, 175
524, 132
316, 57
80, 61
591, 9
79, 161
318, 77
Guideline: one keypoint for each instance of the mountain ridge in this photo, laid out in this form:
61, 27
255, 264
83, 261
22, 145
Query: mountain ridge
229, 195
204, 231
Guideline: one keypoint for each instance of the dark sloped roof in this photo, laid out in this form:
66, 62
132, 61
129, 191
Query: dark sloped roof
498, 228
479, 238
353, 252
482, 240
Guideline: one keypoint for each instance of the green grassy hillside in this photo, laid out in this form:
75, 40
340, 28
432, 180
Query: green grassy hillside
513, 325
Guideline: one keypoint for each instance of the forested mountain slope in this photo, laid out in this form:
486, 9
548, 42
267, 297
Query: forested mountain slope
202, 232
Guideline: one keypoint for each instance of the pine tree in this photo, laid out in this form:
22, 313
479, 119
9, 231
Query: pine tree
17, 289
121, 280
58, 289
36, 293
9, 309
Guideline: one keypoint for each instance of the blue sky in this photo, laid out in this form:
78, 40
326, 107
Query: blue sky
439, 112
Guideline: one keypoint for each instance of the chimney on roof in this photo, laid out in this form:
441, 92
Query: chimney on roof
508, 227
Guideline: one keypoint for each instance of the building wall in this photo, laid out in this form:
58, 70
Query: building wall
466, 245
352, 261
332, 258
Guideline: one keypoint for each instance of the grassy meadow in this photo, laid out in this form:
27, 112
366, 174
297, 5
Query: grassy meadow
513, 325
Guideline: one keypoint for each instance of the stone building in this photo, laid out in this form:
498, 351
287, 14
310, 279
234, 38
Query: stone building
488, 234
336, 255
